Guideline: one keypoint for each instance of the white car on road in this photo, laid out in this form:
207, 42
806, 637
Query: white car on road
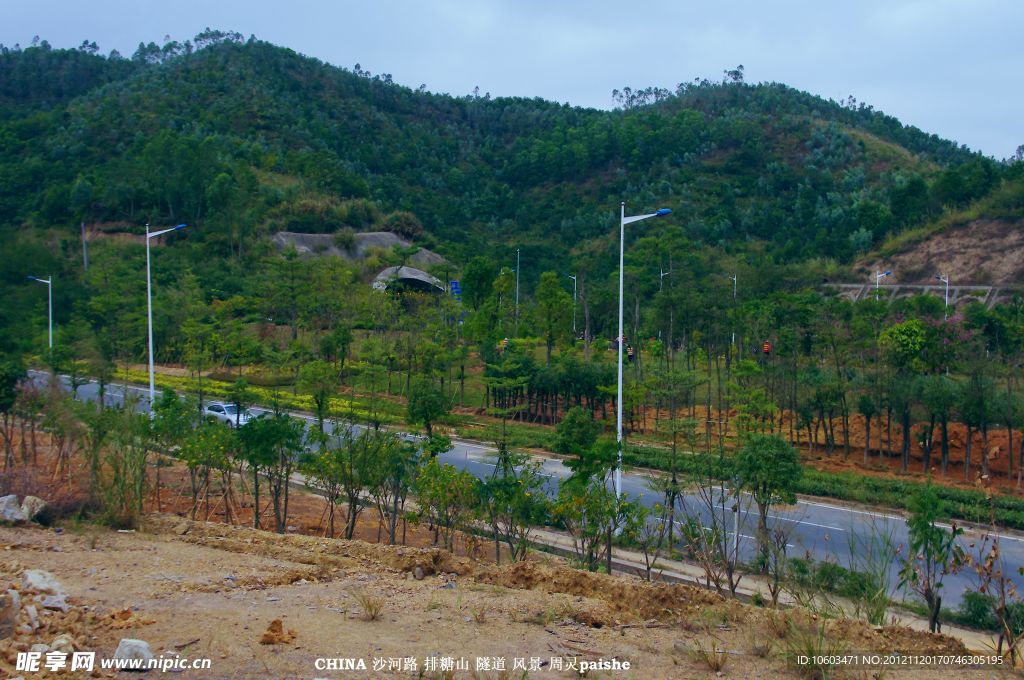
227, 414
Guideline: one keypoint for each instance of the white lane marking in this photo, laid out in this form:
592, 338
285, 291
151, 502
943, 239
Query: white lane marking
858, 512
727, 533
894, 518
803, 521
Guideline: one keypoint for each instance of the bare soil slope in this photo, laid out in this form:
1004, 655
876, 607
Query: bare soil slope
984, 252
211, 590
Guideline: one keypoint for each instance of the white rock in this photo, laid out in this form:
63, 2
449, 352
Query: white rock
10, 509
62, 643
55, 602
33, 616
14, 597
128, 648
42, 581
32, 506
41, 648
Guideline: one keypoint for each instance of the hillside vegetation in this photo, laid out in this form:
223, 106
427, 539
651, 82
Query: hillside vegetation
242, 139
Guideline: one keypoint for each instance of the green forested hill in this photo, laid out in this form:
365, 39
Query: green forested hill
253, 123
241, 139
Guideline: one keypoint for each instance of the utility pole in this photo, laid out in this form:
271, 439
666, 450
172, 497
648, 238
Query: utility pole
49, 303
149, 306
517, 292
573, 277
85, 249
878, 277
734, 277
945, 309
623, 221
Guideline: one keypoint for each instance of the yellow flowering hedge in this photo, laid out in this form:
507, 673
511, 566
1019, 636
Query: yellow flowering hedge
339, 406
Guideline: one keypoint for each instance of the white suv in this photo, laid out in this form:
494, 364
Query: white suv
227, 414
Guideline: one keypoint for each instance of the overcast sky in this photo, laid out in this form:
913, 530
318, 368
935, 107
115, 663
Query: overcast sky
952, 67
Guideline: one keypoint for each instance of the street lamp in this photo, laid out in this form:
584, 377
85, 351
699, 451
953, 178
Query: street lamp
878, 277
623, 221
49, 304
734, 278
573, 277
149, 305
945, 280
517, 292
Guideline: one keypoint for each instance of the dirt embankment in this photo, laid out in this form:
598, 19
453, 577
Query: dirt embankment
983, 252
260, 604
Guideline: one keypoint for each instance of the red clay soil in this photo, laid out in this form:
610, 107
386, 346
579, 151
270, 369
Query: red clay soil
884, 456
307, 511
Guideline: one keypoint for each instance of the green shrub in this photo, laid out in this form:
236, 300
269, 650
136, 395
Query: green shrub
977, 610
345, 239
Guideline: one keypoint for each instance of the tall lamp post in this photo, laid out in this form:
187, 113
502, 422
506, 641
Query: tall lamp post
49, 303
735, 278
149, 306
573, 277
517, 292
878, 277
945, 309
623, 221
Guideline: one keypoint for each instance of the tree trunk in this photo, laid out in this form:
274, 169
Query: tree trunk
762, 535
967, 453
867, 437
905, 452
944, 426
255, 498
934, 608
984, 450
926, 453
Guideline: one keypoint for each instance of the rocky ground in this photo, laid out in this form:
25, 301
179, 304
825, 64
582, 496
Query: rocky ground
261, 605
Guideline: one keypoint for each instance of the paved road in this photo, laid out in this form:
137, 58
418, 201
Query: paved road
824, 530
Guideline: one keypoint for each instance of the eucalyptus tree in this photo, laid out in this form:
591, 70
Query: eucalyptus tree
903, 345
933, 552
553, 308
591, 512
173, 420
447, 495
938, 395
207, 449
391, 478
270, 445
11, 375
320, 380
769, 469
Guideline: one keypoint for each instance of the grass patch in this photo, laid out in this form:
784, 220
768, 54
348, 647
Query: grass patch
706, 649
371, 605
808, 647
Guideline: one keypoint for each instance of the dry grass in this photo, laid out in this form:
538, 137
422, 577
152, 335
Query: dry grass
812, 639
758, 643
372, 605
778, 624
707, 649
